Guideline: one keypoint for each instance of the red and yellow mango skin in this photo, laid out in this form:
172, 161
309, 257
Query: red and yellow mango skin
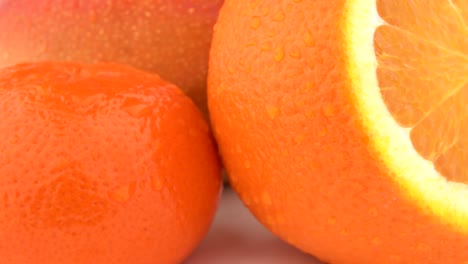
168, 37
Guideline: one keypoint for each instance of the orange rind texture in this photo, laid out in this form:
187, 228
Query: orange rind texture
297, 149
101, 164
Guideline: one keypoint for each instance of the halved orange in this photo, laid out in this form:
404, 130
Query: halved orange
341, 124
416, 105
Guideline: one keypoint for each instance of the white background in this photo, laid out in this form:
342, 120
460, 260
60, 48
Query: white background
237, 238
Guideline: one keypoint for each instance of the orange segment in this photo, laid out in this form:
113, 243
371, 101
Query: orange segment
440, 137
422, 56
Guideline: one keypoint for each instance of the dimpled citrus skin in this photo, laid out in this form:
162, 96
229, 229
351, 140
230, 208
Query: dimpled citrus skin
295, 148
167, 37
101, 164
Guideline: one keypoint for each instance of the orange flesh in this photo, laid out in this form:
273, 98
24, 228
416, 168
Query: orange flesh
422, 71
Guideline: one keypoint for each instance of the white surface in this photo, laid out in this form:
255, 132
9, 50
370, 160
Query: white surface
237, 238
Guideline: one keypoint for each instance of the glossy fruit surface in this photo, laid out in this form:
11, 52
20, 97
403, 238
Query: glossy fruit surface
101, 164
341, 124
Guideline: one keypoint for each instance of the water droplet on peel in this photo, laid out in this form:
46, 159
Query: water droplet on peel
256, 200
124, 193
61, 166
247, 164
238, 149
272, 33
329, 110
300, 103
279, 16
136, 108
344, 232
298, 139
295, 53
397, 258
246, 68
251, 43
267, 46
272, 112
310, 114
309, 39
254, 4
269, 220
233, 179
42, 48
15, 139
266, 198
86, 100
376, 240
220, 90
423, 247
280, 220
5, 200
279, 54
247, 200
308, 87
323, 132
157, 183
373, 212
256, 22
313, 165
